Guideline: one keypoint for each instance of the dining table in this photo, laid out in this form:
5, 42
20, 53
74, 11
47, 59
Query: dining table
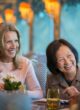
20, 101
42, 105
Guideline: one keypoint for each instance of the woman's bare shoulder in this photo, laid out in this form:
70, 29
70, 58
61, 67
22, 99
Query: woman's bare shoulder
23, 62
23, 59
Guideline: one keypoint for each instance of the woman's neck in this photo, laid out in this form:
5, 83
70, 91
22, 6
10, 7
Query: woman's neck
70, 76
6, 60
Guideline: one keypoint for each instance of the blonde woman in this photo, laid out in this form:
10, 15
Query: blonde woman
14, 65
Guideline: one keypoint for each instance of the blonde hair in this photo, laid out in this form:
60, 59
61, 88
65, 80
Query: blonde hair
5, 27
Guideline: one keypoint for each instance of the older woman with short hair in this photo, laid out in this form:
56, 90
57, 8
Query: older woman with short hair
62, 61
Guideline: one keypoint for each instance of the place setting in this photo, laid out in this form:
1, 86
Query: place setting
53, 101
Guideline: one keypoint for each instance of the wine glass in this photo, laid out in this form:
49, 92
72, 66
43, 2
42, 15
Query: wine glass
53, 99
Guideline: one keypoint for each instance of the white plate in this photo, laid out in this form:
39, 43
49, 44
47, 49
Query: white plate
64, 102
43, 100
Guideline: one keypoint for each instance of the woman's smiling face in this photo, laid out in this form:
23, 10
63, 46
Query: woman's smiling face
66, 61
10, 45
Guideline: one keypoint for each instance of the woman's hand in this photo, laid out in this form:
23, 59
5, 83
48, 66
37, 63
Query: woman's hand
72, 91
1, 86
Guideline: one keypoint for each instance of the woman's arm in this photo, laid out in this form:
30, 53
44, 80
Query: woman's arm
71, 91
1, 86
34, 89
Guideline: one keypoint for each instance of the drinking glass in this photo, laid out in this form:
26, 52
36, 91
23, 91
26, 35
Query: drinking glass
53, 100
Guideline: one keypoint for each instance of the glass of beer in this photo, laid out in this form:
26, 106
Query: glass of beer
53, 100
